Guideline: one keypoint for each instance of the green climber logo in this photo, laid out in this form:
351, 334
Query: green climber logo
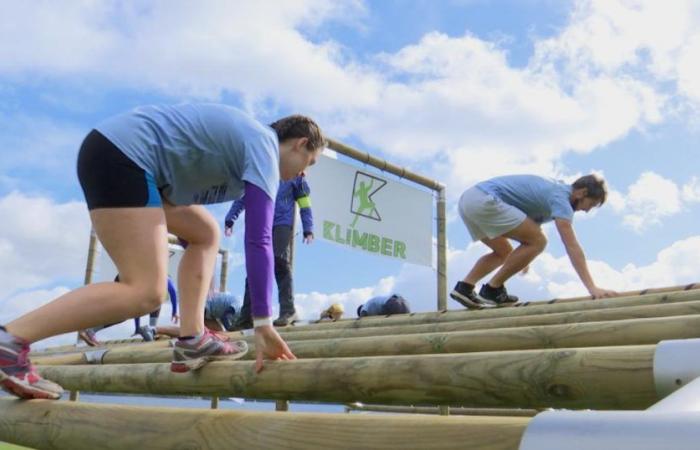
362, 205
363, 189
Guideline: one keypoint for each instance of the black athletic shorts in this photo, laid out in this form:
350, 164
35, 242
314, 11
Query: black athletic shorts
110, 179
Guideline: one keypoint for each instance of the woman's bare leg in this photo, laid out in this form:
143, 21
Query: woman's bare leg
201, 231
136, 240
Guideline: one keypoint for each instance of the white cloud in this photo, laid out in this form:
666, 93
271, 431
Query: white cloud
549, 277
309, 306
651, 199
252, 48
454, 103
691, 191
40, 241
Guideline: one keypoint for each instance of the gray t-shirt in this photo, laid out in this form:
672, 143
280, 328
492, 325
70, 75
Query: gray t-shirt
198, 153
542, 199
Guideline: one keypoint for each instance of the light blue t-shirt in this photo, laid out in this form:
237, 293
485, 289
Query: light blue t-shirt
198, 153
542, 199
220, 304
373, 306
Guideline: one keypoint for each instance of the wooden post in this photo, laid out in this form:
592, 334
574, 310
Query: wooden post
441, 251
74, 396
597, 378
536, 309
586, 334
281, 405
76, 426
92, 254
223, 276
214, 402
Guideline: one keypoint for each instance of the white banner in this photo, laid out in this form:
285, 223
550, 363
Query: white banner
370, 212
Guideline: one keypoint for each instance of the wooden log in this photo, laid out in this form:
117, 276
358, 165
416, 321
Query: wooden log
636, 312
464, 314
597, 378
586, 334
435, 410
634, 293
632, 312
680, 287
665, 305
429, 318
47, 424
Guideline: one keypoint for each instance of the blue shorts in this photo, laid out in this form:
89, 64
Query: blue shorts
110, 179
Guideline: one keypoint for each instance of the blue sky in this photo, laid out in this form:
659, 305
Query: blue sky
457, 90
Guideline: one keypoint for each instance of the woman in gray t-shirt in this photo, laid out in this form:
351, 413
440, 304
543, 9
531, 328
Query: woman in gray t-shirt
147, 172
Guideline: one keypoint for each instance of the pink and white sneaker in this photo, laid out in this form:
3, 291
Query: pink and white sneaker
194, 355
17, 375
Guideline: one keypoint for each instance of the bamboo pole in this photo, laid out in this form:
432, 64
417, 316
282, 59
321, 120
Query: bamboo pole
435, 410
597, 378
586, 334
463, 315
49, 424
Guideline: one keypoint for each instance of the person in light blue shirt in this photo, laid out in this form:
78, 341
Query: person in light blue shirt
147, 172
384, 305
514, 207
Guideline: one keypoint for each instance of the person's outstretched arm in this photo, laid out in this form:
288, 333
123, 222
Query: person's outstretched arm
260, 269
302, 194
172, 293
578, 259
232, 215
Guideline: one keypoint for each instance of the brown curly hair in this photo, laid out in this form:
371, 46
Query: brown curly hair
595, 185
298, 126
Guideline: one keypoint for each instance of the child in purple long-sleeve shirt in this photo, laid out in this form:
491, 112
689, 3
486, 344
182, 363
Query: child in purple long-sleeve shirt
290, 193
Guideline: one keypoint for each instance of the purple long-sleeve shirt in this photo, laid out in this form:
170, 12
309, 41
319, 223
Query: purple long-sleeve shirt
259, 261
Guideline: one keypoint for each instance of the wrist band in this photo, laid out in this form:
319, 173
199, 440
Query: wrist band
261, 322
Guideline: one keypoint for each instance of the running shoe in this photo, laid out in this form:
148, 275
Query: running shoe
189, 356
17, 375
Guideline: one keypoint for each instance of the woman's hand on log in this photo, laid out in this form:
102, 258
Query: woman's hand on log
270, 345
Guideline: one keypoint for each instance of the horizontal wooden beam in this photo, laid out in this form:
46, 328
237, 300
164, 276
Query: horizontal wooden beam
456, 410
597, 378
76, 426
536, 308
586, 334
596, 315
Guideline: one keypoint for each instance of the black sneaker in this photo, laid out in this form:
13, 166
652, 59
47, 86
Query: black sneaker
499, 296
242, 324
285, 319
465, 296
